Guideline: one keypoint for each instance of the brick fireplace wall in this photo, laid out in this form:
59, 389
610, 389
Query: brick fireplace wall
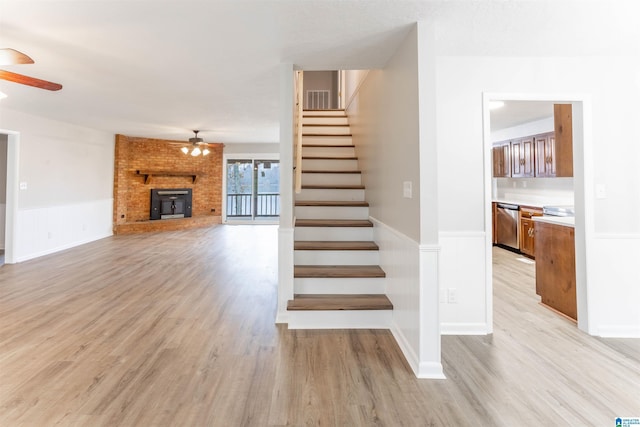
132, 196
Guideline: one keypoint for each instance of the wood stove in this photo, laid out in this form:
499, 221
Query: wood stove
169, 203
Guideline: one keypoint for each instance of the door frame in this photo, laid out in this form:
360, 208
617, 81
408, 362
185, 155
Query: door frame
583, 179
11, 217
245, 156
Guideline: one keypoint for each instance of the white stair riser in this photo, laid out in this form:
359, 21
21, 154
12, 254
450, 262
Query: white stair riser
326, 130
336, 257
332, 212
331, 179
330, 194
328, 151
328, 140
329, 165
324, 113
356, 285
340, 319
327, 120
334, 233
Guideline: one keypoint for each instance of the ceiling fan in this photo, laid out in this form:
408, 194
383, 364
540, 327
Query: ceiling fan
10, 56
196, 143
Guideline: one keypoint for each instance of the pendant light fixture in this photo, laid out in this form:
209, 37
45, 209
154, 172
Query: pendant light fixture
196, 142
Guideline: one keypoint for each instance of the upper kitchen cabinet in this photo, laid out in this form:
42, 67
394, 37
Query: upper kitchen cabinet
501, 154
554, 150
563, 126
523, 157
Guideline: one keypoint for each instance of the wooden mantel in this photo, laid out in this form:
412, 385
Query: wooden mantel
148, 174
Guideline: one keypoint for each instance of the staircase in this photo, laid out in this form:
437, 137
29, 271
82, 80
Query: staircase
337, 280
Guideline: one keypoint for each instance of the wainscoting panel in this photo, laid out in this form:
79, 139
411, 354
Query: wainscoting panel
43, 231
614, 292
3, 218
417, 335
463, 287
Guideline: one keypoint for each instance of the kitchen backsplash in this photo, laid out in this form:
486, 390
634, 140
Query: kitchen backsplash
545, 190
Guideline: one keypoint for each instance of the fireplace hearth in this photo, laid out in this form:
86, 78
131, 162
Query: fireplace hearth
170, 203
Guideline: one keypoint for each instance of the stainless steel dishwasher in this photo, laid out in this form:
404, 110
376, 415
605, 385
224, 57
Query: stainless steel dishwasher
507, 225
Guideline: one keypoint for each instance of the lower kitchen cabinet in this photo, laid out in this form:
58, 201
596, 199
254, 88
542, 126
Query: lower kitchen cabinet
527, 229
556, 267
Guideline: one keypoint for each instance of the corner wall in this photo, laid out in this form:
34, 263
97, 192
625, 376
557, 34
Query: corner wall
68, 174
385, 121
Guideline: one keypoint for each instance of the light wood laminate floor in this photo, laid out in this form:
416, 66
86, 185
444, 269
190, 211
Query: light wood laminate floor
177, 329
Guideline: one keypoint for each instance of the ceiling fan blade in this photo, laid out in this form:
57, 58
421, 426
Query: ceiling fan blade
29, 81
10, 56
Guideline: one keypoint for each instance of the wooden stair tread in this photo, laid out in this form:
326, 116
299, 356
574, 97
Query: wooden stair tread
346, 245
326, 203
338, 271
333, 187
328, 134
328, 146
330, 171
325, 124
324, 116
333, 223
327, 158
340, 302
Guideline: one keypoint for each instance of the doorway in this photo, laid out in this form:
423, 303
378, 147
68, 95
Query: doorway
582, 178
252, 190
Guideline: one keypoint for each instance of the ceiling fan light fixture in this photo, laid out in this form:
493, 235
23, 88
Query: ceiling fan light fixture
205, 151
195, 152
185, 150
3, 95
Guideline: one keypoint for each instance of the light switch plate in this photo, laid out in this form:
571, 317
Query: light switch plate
23, 185
601, 191
407, 190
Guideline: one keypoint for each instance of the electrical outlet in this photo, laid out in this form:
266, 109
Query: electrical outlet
452, 295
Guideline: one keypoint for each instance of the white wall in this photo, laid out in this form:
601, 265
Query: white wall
252, 148
3, 187
68, 173
514, 64
385, 122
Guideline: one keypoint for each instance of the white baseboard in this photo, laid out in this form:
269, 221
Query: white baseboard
619, 331
464, 329
425, 370
61, 248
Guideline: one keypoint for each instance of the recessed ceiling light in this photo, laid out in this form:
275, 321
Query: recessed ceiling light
495, 104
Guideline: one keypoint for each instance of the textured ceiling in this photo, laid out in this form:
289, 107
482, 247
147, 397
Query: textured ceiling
158, 69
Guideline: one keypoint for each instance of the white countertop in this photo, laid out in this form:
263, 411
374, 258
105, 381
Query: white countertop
568, 221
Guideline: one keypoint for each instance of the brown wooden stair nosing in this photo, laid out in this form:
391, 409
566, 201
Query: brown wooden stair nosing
338, 271
332, 203
330, 171
327, 158
333, 187
333, 222
309, 302
328, 146
335, 245
328, 134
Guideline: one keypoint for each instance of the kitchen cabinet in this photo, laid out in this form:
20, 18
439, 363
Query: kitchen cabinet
545, 155
556, 267
522, 154
563, 127
554, 150
501, 157
527, 229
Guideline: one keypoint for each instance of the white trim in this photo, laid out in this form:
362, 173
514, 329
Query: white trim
618, 331
13, 162
462, 234
464, 329
583, 184
377, 223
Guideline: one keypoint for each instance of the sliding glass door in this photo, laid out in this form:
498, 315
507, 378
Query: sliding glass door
253, 189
